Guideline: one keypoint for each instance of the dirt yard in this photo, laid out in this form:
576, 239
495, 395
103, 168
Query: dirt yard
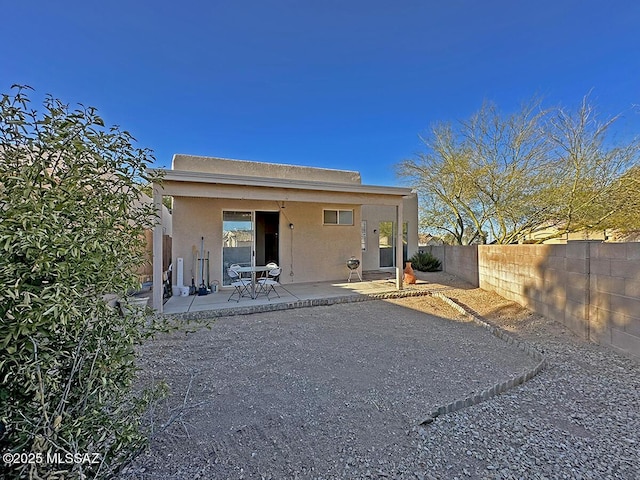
339, 392
305, 392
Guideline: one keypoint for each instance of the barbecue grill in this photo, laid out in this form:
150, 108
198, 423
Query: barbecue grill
352, 264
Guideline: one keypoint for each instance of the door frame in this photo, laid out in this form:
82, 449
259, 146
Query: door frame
253, 213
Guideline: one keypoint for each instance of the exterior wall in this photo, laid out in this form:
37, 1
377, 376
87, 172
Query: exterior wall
459, 260
614, 307
593, 288
462, 261
309, 252
374, 214
145, 272
265, 170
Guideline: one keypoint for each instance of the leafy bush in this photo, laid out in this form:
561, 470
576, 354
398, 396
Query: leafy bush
71, 232
425, 262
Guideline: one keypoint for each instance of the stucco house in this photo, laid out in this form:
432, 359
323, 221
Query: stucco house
308, 220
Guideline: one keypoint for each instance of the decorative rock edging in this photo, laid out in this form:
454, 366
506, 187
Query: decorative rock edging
314, 302
498, 388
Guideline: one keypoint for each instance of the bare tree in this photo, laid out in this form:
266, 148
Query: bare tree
501, 178
510, 167
481, 181
440, 175
596, 182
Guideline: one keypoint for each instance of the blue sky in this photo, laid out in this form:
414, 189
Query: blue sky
334, 84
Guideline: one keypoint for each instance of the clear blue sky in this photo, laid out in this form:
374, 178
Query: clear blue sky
336, 84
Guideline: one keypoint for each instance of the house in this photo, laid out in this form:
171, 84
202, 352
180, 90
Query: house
145, 272
308, 220
553, 235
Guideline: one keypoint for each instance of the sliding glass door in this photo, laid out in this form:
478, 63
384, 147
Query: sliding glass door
237, 241
249, 238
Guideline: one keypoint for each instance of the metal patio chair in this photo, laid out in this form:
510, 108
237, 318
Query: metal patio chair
269, 265
240, 285
269, 283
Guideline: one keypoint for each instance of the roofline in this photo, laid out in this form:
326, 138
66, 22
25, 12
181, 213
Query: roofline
250, 181
241, 160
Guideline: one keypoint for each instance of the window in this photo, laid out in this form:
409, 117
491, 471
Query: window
338, 217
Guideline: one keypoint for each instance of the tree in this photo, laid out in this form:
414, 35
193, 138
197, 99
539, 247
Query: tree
596, 178
70, 233
500, 178
625, 202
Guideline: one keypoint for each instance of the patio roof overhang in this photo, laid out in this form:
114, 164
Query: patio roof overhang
245, 187
208, 185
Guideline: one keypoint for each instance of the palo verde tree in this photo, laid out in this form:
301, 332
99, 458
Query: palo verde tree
596, 179
500, 178
70, 233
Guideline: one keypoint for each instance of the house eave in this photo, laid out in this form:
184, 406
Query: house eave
279, 183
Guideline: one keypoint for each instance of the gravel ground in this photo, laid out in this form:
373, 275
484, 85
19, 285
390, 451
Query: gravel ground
339, 392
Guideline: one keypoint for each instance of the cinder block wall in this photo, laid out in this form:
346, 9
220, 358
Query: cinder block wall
593, 288
535, 276
461, 261
614, 309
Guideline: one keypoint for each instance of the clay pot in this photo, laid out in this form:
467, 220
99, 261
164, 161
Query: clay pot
409, 276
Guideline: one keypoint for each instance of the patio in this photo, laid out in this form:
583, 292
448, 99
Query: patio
375, 284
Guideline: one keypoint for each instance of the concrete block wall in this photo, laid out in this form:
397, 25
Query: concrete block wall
461, 261
614, 308
538, 277
593, 288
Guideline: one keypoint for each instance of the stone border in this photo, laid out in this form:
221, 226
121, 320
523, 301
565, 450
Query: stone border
498, 388
311, 302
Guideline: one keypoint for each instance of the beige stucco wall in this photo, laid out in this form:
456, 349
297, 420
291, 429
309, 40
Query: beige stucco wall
264, 170
374, 214
309, 252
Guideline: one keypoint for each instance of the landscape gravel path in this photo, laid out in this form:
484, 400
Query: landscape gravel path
340, 392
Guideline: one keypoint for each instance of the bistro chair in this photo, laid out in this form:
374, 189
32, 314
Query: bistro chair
240, 285
270, 282
270, 266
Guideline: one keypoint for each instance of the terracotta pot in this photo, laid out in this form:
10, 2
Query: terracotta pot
409, 276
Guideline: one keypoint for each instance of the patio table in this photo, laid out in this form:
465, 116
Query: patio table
253, 270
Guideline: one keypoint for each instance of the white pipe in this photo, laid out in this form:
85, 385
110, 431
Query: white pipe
180, 273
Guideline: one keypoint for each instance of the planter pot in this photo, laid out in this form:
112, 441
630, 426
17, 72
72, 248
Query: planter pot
409, 276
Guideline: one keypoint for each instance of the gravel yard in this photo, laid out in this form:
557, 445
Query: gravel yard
339, 392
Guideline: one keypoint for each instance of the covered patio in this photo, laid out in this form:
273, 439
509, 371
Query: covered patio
310, 220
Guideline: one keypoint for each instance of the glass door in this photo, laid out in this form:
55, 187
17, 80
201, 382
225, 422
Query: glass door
387, 243
237, 241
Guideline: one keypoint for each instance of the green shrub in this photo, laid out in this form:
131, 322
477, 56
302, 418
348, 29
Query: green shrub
71, 231
425, 262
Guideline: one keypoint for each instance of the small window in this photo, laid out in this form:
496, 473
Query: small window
331, 217
338, 217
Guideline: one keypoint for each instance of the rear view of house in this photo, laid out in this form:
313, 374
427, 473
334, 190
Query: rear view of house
309, 221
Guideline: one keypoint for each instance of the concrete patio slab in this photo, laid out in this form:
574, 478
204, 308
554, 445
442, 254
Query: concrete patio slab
288, 294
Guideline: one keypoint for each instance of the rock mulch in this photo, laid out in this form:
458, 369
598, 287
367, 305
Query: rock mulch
342, 391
